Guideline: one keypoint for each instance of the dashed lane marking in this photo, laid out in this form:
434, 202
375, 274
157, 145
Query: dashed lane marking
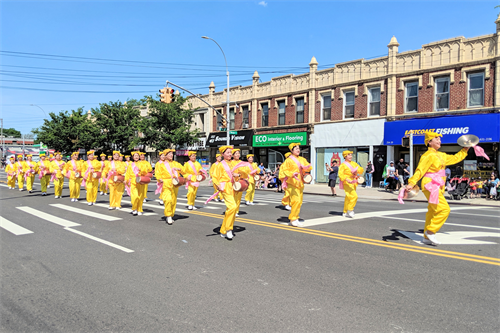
13, 228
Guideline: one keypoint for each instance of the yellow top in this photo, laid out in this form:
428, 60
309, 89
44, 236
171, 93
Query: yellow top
9, 169
119, 169
45, 165
212, 169
130, 175
429, 136
161, 172
289, 168
254, 167
434, 161
220, 176
31, 165
148, 165
19, 167
188, 171
57, 167
345, 173
69, 167
96, 165
243, 171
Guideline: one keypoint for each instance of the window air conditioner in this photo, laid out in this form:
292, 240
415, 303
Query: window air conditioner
245, 125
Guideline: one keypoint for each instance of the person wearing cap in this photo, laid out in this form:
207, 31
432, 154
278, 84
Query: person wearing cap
102, 180
120, 158
242, 169
44, 173
218, 158
149, 167
286, 197
72, 169
157, 174
348, 175
30, 172
223, 179
166, 170
136, 169
56, 168
190, 170
251, 181
431, 169
19, 167
11, 173
92, 184
116, 189
295, 167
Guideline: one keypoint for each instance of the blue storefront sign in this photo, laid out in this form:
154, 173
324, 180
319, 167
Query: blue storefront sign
485, 126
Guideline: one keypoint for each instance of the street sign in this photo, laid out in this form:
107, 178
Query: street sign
233, 132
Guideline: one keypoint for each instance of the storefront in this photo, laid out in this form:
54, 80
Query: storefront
270, 148
364, 138
202, 153
485, 126
238, 139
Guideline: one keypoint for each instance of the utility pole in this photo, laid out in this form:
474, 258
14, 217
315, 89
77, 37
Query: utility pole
3, 140
411, 154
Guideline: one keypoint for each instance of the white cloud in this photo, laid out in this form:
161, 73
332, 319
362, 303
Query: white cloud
263, 3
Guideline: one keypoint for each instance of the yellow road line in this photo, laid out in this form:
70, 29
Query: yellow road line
404, 247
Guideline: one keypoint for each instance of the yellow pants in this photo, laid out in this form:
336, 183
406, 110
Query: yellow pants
92, 186
230, 215
169, 197
115, 194
29, 182
44, 181
74, 188
296, 197
286, 198
351, 197
437, 214
191, 195
102, 186
20, 181
137, 196
220, 194
145, 190
11, 181
237, 200
58, 186
250, 192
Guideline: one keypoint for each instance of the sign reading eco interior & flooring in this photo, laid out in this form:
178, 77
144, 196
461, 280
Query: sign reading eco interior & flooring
281, 139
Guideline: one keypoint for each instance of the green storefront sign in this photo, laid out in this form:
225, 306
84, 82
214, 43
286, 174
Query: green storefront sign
282, 139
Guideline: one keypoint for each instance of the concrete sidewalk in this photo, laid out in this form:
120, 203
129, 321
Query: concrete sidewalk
382, 194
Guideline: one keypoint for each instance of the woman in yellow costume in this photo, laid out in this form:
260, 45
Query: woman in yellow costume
149, 167
19, 167
190, 170
11, 173
57, 169
286, 197
44, 172
243, 170
166, 170
218, 158
71, 170
294, 168
223, 179
102, 181
92, 184
431, 168
159, 182
135, 170
30, 172
348, 175
254, 169
116, 189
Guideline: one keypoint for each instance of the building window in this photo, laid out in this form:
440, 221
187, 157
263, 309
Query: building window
231, 118
299, 109
265, 114
349, 104
202, 122
442, 93
476, 90
245, 117
281, 113
219, 120
411, 98
327, 107
374, 101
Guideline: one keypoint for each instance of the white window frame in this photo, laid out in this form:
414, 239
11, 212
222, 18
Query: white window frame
436, 81
370, 101
469, 75
345, 104
406, 95
323, 106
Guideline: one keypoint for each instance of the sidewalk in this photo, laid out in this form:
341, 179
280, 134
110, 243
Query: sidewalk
381, 194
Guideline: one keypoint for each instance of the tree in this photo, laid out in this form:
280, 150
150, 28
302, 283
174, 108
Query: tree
118, 123
68, 131
11, 132
167, 125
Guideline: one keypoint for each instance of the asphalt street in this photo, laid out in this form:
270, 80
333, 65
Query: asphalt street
68, 267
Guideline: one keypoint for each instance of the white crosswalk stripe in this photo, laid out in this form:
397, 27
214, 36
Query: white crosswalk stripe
123, 209
86, 212
13, 228
48, 217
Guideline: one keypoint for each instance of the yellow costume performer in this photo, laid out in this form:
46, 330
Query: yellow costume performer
254, 169
223, 179
190, 170
102, 180
136, 189
44, 173
165, 172
294, 168
431, 169
19, 167
243, 171
72, 169
30, 172
11, 173
211, 172
149, 168
88, 168
57, 169
348, 173
286, 197
116, 189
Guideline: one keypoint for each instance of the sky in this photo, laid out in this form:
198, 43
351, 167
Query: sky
64, 55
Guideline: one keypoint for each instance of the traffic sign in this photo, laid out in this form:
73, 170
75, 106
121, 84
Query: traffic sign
233, 132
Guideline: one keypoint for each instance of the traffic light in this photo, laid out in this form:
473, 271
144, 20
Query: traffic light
223, 122
163, 95
172, 95
405, 142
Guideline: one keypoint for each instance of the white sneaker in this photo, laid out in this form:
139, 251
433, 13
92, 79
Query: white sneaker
169, 220
105, 194
426, 241
20, 190
237, 214
101, 193
90, 204
288, 207
161, 203
300, 224
350, 213
134, 213
221, 200
195, 208
229, 234
432, 238
76, 200
144, 201
345, 215
190, 207
119, 208
140, 213
223, 235
55, 197
294, 223
73, 200
111, 208
251, 203
247, 203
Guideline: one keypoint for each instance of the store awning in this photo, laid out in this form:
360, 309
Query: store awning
241, 138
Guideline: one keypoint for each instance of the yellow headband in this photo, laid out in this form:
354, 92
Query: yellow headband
75, 153
431, 135
217, 155
191, 153
224, 148
235, 150
29, 155
135, 152
250, 155
57, 153
287, 154
103, 155
90, 152
116, 152
345, 153
293, 145
42, 154
21, 156
127, 155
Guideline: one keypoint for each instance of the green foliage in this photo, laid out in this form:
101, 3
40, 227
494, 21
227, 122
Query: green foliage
11, 132
167, 125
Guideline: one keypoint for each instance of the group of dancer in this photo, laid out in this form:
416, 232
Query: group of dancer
230, 176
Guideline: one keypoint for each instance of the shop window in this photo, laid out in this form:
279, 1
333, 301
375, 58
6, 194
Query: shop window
374, 101
231, 118
265, 114
349, 104
476, 90
299, 116
411, 97
219, 120
442, 94
245, 116
281, 113
327, 107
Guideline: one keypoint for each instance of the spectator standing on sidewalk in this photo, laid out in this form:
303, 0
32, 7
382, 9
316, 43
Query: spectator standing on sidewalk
370, 168
391, 177
332, 177
407, 173
400, 172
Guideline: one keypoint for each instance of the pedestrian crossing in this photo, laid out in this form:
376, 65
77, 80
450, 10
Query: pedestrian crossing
13, 228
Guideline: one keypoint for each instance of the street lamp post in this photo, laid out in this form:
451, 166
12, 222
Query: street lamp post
228, 122
38, 106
